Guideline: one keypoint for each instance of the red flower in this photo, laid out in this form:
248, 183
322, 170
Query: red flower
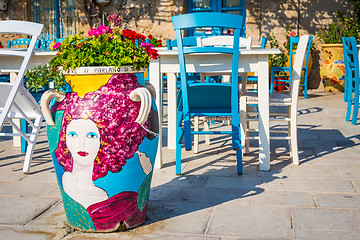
292, 34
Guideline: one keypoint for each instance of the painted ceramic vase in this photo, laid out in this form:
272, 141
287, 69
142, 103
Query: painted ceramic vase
103, 139
332, 71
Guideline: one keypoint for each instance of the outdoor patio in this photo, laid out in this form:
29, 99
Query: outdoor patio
319, 199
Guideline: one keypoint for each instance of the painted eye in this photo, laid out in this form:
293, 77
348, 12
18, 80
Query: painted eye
92, 135
72, 134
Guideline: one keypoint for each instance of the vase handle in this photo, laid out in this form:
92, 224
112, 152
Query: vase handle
44, 104
142, 95
151, 89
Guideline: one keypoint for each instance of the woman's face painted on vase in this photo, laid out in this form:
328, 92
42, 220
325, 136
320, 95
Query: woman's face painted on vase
83, 141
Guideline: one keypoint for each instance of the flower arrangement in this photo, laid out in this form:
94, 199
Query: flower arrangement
101, 46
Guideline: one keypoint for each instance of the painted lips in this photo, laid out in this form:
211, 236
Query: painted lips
83, 154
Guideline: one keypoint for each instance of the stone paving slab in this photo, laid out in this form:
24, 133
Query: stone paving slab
177, 217
329, 219
26, 188
11, 232
324, 234
310, 185
338, 200
234, 221
284, 199
18, 210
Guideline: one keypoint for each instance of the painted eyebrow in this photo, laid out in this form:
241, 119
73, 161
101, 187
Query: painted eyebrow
92, 134
72, 133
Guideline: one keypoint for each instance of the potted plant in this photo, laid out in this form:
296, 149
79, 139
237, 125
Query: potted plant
102, 128
332, 69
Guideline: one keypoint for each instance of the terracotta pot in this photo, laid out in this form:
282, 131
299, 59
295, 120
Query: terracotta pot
103, 142
332, 70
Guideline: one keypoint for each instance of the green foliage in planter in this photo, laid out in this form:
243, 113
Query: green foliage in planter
40, 76
102, 50
278, 60
343, 26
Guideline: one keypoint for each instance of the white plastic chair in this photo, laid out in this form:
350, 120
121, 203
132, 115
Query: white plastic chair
278, 99
15, 100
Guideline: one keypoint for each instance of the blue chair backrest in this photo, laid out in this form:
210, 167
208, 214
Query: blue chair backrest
21, 41
351, 59
293, 43
46, 43
187, 42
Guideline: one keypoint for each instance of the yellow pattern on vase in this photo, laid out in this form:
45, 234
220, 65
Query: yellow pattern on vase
82, 84
332, 71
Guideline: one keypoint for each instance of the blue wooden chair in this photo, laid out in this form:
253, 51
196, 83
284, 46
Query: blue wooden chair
351, 58
21, 41
197, 99
285, 80
44, 44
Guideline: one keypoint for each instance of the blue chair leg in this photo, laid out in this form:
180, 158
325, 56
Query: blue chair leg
305, 88
239, 165
355, 110
272, 81
24, 126
345, 90
187, 130
179, 136
348, 110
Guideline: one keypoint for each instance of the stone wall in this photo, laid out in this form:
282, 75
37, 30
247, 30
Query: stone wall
154, 16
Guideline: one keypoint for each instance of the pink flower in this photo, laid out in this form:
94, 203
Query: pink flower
104, 29
114, 18
57, 45
100, 30
94, 32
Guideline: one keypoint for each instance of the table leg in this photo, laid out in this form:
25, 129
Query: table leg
264, 130
156, 80
171, 110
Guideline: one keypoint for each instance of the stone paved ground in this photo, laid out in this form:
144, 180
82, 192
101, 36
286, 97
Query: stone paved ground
319, 199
